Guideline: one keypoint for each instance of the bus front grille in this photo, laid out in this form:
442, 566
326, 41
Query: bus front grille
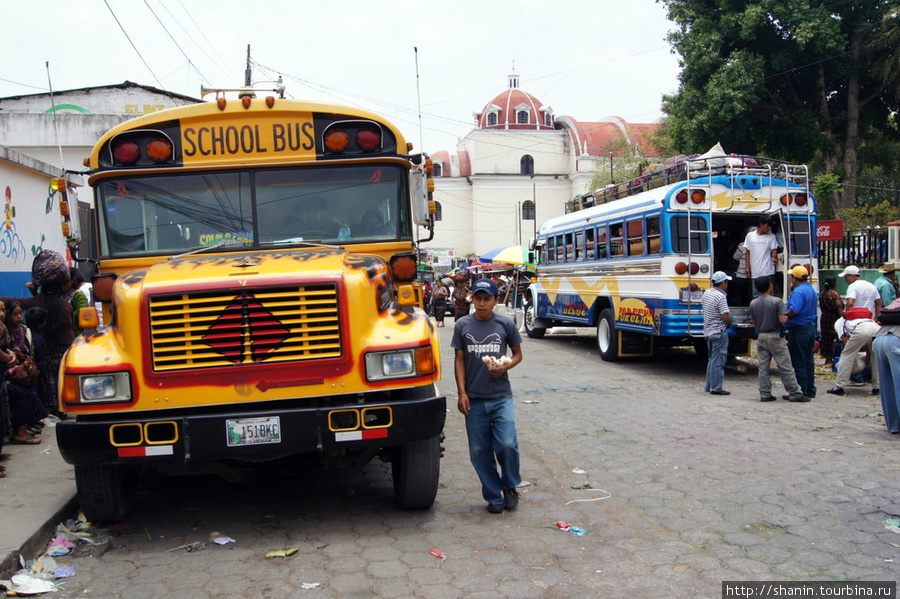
206, 329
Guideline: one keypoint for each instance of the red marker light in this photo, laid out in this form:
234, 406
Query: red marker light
368, 139
127, 152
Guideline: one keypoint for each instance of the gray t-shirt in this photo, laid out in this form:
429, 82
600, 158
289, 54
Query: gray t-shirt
765, 311
478, 338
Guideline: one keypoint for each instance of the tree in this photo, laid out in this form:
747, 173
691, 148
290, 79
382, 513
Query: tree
788, 79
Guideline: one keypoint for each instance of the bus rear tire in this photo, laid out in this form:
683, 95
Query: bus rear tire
529, 317
416, 469
107, 493
608, 336
701, 348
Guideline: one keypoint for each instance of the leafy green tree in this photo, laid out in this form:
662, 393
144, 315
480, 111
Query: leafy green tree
869, 217
789, 79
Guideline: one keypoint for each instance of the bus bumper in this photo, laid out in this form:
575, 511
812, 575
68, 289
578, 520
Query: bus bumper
243, 435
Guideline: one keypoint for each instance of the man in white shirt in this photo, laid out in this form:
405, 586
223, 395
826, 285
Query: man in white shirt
762, 252
860, 293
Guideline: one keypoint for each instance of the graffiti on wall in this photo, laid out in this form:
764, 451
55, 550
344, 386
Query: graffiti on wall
137, 109
11, 245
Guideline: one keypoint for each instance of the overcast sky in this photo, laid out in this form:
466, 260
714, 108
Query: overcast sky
586, 59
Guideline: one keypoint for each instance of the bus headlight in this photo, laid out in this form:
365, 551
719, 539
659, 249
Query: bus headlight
389, 365
100, 388
401, 363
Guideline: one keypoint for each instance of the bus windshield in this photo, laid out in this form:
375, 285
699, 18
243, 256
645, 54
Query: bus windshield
170, 214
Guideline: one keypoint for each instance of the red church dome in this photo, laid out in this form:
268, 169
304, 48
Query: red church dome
515, 109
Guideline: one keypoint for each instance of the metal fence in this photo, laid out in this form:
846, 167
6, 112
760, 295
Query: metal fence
865, 249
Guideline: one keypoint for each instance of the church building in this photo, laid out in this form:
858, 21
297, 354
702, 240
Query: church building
517, 168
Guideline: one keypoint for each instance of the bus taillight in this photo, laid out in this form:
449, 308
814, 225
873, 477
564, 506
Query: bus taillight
127, 152
695, 268
698, 196
786, 199
368, 139
808, 267
682, 197
800, 200
159, 149
681, 268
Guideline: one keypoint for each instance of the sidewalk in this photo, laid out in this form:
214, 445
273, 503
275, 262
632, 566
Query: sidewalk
37, 494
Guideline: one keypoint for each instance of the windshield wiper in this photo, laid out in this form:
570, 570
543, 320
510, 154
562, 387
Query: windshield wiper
216, 245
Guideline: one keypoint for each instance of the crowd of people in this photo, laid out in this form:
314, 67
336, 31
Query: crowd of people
35, 332
852, 334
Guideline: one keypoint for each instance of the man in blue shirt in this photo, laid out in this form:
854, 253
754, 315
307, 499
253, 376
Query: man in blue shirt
801, 329
886, 284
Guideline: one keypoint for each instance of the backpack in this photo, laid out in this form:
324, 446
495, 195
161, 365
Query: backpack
890, 314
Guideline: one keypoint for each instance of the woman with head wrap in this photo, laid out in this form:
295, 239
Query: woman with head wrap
50, 276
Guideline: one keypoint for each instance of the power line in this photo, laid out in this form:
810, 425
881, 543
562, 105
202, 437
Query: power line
138, 52
174, 41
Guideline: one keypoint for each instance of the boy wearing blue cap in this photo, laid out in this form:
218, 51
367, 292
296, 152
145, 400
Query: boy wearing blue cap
481, 340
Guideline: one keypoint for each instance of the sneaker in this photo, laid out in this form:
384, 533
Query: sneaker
720, 392
494, 509
510, 499
799, 399
836, 391
767, 398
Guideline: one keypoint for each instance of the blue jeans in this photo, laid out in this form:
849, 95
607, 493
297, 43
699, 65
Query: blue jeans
801, 345
491, 429
717, 347
887, 357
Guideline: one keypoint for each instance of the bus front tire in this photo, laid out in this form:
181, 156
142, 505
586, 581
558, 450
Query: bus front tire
608, 336
107, 493
529, 317
416, 469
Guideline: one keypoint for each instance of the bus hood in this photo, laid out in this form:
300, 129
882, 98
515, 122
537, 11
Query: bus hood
263, 266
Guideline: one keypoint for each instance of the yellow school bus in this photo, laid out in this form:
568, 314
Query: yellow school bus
257, 265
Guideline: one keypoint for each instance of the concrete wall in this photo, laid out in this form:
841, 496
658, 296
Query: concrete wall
31, 220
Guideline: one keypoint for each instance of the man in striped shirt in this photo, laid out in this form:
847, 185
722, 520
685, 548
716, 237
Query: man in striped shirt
716, 320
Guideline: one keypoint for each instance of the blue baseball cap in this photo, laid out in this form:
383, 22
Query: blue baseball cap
486, 285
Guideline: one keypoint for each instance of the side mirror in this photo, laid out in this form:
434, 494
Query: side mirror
103, 286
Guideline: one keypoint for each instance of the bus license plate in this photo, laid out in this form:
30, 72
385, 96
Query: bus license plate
691, 296
253, 431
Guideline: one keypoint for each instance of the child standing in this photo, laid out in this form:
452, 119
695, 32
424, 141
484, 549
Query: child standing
481, 340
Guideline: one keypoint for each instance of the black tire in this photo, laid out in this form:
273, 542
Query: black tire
416, 470
607, 336
529, 316
701, 348
106, 493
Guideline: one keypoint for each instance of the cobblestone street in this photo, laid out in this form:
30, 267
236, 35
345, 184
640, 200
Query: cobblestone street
678, 491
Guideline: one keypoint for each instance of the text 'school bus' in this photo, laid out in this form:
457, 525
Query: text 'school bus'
258, 277
635, 268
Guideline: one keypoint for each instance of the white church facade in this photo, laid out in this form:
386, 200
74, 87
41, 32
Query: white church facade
517, 168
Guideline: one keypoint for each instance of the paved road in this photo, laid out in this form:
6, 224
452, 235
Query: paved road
700, 489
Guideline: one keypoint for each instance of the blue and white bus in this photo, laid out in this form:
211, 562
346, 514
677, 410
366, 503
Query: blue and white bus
633, 261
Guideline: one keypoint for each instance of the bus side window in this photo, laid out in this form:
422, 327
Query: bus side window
616, 242
653, 239
560, 249
549, 250
601, 243
636, 237
570, 248
590, 248
579, 245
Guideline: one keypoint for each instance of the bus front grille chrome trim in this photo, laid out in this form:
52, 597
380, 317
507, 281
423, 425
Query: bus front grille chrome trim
217, 328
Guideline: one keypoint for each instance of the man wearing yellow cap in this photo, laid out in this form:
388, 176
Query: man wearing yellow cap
801, 329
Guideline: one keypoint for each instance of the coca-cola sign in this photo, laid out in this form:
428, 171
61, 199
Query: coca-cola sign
830, 230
